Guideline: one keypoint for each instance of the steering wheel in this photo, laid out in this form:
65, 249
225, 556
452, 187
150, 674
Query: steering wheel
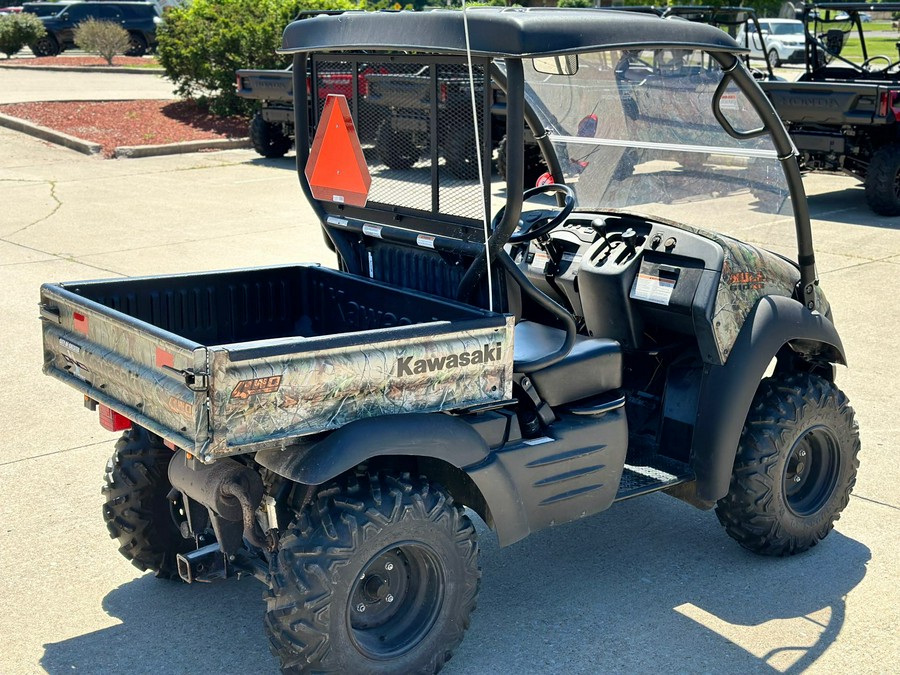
539, 223
878, 57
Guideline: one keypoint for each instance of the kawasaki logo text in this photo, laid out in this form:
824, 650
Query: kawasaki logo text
487, 354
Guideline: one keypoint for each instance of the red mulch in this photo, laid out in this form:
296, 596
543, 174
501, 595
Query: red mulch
81, 61
118, 123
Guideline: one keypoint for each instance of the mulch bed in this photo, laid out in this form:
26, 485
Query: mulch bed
81, 61
124, 123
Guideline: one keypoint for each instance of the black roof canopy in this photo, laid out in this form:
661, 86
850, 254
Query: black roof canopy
499, 32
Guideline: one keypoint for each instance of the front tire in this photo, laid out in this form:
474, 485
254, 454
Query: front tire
268, 139
378, 574
772, 58
795, 466
45, 46
883, 181
137, 511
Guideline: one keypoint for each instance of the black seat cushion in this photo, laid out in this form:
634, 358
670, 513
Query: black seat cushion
592, 367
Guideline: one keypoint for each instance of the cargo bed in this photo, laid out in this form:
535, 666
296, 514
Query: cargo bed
236, 361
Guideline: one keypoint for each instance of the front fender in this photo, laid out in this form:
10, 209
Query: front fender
728, 390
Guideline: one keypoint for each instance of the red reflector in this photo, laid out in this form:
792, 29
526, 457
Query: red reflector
113, 421
164, 358
80, 323
337, 170
170, 445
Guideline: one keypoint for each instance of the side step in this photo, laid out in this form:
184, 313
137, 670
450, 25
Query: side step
657, 473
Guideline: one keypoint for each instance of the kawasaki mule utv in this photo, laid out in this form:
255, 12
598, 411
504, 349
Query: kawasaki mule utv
535, 355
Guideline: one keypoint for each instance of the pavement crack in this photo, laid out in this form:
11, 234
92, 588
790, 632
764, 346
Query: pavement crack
57, 256
55, 452
57, 207
875, 501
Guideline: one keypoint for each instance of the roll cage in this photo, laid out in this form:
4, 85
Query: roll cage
507, 37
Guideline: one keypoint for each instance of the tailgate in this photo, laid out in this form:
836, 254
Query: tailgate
825, 103
151, 376
266, 85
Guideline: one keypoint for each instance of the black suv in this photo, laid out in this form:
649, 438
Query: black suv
138, 18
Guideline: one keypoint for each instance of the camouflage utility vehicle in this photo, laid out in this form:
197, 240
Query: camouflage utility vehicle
534, 355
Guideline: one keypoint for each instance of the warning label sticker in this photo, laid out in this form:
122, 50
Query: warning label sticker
654, 283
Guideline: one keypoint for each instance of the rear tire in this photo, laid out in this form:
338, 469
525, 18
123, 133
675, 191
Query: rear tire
378, 574
137, 510
534, 162
137, 45
395, 149
883, 181
268, 139
795, 466
460, 153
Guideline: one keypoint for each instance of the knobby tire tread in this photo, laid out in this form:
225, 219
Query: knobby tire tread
753, 513
136, 510
324, 539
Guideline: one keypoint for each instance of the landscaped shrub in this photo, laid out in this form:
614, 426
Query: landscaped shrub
103, 38
18, 30
203, 42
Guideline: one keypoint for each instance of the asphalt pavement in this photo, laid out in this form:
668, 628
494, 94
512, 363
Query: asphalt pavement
650, 586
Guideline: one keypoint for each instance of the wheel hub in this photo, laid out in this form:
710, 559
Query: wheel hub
396, 600
811, 471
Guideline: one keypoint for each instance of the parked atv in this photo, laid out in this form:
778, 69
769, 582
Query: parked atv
597, 340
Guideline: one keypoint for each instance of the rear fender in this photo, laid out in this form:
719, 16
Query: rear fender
727, 391
450, 440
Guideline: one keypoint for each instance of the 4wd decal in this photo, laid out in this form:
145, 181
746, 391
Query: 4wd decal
487, 354
262, 385
746, 281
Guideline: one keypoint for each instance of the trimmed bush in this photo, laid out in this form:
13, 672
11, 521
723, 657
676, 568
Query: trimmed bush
18, 30
203, 42
103, 38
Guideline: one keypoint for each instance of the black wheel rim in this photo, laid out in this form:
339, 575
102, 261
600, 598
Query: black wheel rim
396, 600
811, 471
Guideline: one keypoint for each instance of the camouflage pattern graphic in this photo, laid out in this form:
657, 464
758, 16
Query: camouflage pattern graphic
748, 274
263, 401
267, 400
121, 366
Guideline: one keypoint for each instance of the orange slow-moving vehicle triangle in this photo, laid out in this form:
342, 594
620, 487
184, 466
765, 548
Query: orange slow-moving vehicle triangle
337, 169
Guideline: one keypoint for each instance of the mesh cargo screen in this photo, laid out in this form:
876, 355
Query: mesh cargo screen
414, 120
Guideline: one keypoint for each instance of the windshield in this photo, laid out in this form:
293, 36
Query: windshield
784, 28
635, 130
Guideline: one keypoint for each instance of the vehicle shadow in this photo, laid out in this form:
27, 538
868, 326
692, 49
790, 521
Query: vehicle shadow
655, 586
651, 586
848, 206
169, 627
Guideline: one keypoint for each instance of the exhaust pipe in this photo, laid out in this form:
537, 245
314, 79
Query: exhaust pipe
229, 490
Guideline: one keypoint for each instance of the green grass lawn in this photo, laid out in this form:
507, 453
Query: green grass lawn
874, 45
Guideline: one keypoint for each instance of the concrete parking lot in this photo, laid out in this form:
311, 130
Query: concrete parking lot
652, 585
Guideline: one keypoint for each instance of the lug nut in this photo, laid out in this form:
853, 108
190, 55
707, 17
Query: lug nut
389, 566
796, 479
389, 597
802, 453
360, 607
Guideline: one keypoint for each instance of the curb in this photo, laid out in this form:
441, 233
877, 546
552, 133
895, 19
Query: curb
84, 147
89, 69
122, 152
138, 151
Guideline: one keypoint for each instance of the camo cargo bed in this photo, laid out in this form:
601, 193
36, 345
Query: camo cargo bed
229, 362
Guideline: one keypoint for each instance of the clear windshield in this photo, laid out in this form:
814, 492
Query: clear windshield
786, 28
635, 130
